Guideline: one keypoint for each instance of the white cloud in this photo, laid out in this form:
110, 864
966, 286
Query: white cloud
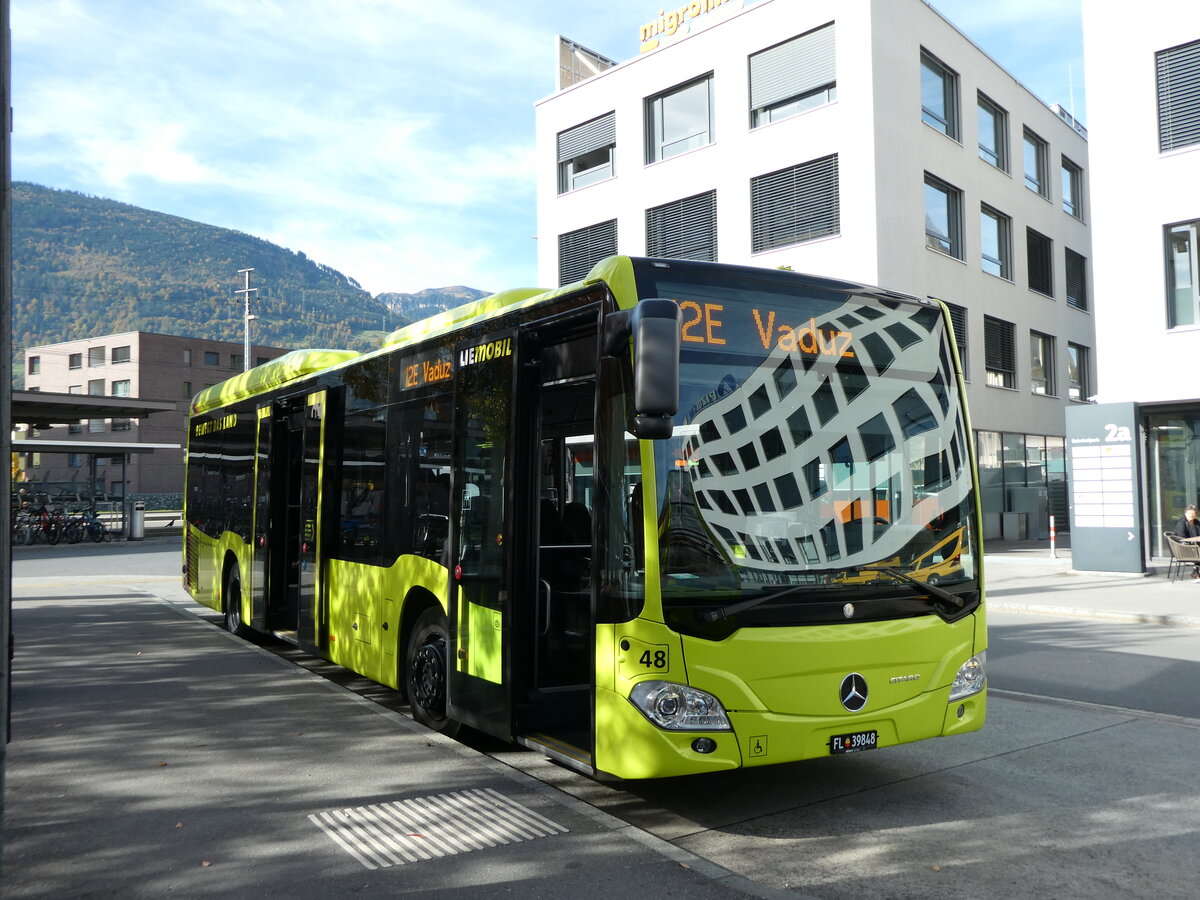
390, 139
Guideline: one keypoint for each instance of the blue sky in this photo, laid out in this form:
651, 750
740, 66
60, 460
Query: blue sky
389, 139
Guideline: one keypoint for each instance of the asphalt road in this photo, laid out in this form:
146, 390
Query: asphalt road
1081, 784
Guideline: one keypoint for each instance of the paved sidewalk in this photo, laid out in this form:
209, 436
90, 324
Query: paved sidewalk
1023, 577
153, 754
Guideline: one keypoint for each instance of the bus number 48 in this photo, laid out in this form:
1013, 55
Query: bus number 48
656, 659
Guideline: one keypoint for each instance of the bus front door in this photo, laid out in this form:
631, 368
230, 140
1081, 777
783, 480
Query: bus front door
521, 620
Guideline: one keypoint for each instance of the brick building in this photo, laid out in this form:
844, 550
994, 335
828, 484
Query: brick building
131, 364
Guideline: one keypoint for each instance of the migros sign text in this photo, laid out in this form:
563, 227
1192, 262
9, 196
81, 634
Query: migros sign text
670, 22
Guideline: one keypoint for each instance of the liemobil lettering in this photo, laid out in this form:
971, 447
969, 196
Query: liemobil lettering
485, 352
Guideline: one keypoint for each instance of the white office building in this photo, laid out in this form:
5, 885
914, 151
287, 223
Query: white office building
1143, 90
868, 140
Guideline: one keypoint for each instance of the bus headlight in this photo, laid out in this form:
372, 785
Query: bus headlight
970, 679
677, 707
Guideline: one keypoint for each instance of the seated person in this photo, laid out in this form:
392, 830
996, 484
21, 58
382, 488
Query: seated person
1188, 529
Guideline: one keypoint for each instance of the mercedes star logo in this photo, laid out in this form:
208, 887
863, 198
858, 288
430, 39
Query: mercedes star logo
853, 692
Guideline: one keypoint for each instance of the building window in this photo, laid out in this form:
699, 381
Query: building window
1041, 363
121, 425
586, 153
685, 229
1036, 178
1178, 79
187, 390
120, 354
993, 133
943, 217
1079, 378
75, 361
95, 357
792, 77
235, 361
958, 319
95, 426
35, 365
75, 389
75, 428
74, 460
995, 242
187, 357
579, 250
1000, 353
1183, 274
121, 389
1077, 281
679, 120
939, 96
1040, 252
1072, 188
794, 205
212, 358
260, 360
96, 387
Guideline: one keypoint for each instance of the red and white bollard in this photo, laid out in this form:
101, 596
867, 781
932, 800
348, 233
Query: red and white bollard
1052, 556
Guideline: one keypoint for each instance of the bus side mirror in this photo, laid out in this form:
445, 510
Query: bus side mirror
654, 327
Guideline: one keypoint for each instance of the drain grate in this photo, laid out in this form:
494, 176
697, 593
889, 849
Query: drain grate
391, 834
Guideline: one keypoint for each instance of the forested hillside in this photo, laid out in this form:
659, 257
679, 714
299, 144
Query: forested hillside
86, 266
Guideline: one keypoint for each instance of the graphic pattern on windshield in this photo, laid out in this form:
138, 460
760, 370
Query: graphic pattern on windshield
840, 448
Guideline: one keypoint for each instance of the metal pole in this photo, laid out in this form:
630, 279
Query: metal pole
1052, 554
5, 400
246, 291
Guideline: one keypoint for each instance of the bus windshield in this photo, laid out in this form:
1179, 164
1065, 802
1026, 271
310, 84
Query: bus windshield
819, 455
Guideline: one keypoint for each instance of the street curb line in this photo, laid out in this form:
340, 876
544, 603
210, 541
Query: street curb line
1172, 621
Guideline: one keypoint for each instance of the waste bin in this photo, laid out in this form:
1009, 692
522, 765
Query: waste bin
137, 521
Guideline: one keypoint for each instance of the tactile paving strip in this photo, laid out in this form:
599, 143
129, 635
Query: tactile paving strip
391, 834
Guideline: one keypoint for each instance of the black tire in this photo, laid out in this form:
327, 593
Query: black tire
232, 604
99, 531
73, 532
53, 532
426, 671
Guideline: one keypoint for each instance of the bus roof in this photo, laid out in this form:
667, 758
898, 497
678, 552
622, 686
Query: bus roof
270, 374
617, 271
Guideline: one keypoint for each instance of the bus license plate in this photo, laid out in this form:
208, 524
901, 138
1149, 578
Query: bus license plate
852, 743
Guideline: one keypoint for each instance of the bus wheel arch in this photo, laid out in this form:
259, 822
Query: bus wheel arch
231, 596
425, 664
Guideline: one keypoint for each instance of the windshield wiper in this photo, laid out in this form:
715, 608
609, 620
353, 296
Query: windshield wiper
709, 616
932, 589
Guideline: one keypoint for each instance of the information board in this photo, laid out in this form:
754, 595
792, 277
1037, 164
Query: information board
1103, 453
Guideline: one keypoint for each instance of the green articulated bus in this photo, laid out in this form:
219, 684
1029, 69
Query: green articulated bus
676, 518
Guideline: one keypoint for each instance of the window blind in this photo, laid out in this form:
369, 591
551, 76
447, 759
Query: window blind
793, 68
1076, 280
1041, 266
1178, 75
685, 229
589, 136
796, 204
958, 319
999, 349
579, 250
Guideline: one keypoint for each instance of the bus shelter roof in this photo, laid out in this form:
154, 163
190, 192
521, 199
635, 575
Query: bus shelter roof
98, 448
41, 409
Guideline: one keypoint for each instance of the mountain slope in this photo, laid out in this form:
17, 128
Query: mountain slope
85, 266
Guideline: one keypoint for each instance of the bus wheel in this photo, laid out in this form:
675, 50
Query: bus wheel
233, 604
425, 672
